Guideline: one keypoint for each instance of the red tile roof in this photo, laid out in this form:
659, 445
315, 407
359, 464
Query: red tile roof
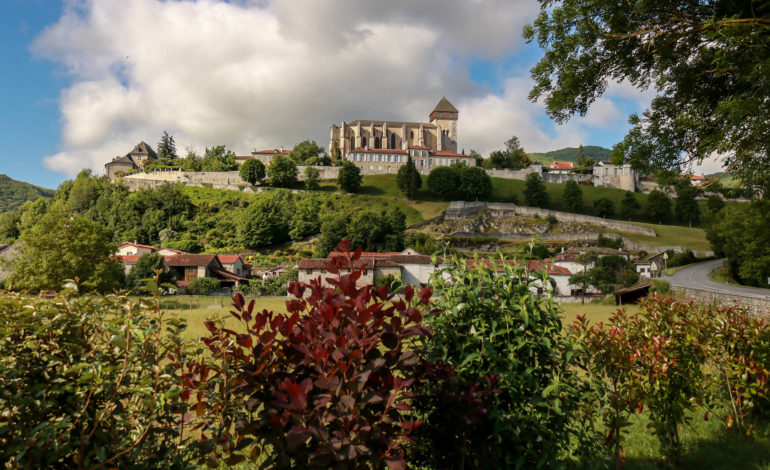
138, 245
227, 274
271, 151
229, 259
378, 151
445, 153
419, 147
561, 166
696, 178
128, 258
190, 260
366, 254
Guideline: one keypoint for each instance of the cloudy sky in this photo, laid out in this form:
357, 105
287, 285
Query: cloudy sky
85, 80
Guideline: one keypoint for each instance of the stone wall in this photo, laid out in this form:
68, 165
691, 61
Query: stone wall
463, 210
561, 178
215, 179
759, 305
509, 174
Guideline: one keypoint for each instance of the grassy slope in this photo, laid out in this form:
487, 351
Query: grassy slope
506, 190
570, 154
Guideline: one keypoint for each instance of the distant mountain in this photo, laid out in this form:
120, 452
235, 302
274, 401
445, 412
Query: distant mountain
15, 193
570, 154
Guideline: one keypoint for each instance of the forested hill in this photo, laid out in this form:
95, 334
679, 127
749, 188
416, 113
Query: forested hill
15, 193
570, 154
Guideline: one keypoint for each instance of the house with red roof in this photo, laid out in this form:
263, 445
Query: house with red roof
133, 248
235, 264
560, 168
264, 156
187, 267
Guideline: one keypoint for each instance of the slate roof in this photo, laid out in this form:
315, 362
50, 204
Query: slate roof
143, 148
444, 106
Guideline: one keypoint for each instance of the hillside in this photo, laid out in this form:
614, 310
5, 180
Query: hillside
15, 193
569, 154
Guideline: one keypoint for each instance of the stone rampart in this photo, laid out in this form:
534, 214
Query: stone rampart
509, 174
462, 210
759, 305
214, 179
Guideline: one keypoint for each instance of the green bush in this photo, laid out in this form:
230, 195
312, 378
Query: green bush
498, 334
90, 382
203, 286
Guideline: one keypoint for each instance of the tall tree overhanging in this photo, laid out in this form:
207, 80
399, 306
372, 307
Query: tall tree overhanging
709, 62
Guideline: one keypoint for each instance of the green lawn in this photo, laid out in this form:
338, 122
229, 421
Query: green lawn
691, 237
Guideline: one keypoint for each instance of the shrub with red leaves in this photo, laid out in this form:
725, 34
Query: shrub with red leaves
326, 384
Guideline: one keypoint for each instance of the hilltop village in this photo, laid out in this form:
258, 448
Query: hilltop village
575, 243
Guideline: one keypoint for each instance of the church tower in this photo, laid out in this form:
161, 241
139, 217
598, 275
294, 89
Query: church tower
444, 117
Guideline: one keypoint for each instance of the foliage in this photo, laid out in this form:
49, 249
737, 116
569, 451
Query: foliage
583, 282
306, 150
422, 242
282, 172
149, 266
90, 382
513, 157
742, 235
272, 286
218, 158
534, 191
475, 183
629, 206
252, 171
285, 394
573, 196
373, 231
203, 286
349, 177
685, 206
658, 207
64, 246
312, 178
408, 179
517, 401
714, 204
166, 147
708, 101
186, 245
611, 272
592, 153
603, 207
15, 193
305, 220
609, 242
266, 220
333, 230
444, 181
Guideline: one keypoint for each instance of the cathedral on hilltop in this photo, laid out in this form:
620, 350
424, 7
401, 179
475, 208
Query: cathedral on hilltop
440, 134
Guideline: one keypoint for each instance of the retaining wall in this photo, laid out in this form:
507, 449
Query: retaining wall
463, 210
759, 305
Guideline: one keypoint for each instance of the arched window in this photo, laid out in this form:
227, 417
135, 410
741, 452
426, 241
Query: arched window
392, 141
363, 142
376, 142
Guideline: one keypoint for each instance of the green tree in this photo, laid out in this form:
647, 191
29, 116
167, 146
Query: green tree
475, 184
333, 230
444, 181
535, 193
408, 179
603, 207
282, 172
265, 221
145, 268
583, 282
312, 178
306, 150
741, 233
715, 203
658, 206
629, 206
705, 60
166, 147
218, 158
62, 246
349, 177
612, 272
306, 220
252, 171
573, 196
686, 206
581, 158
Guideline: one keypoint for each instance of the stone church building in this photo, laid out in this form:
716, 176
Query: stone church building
440, 134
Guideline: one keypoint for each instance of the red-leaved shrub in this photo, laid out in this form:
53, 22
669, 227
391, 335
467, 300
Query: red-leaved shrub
326, 384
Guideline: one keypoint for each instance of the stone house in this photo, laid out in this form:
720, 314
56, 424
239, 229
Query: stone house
263, 156
388, 161
133, 248
136, 159
235, 264
609, 175
187, 267
560, 168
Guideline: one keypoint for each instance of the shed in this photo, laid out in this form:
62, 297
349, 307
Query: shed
631, 295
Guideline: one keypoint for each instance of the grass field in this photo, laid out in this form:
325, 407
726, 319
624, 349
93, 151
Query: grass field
706, 444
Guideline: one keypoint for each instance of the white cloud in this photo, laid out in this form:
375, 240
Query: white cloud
259, 74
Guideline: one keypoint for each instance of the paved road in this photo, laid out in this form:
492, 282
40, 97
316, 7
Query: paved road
696, 277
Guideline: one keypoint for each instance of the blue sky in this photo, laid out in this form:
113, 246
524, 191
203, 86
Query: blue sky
86, 80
